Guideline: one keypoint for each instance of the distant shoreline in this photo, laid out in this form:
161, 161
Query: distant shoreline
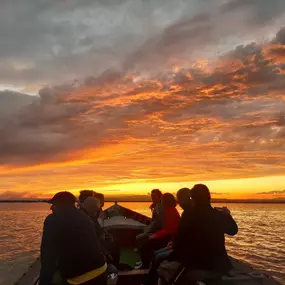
234, 201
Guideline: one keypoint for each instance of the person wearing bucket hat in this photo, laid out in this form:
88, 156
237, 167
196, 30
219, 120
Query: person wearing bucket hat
69, 245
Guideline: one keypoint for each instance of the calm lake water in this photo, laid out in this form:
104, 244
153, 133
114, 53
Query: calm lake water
260, 241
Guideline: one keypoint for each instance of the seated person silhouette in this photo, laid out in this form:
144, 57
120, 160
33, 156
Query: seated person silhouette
162, 237
199, 244
70, 245
92, 206
185, 202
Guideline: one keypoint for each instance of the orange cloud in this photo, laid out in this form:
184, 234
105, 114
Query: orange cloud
210, 121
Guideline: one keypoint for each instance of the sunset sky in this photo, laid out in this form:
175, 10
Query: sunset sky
125, 96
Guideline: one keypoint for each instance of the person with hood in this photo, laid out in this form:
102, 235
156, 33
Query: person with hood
92, 206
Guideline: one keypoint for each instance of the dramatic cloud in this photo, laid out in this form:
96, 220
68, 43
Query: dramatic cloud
50, 42
231, 111
141, 91
12, 102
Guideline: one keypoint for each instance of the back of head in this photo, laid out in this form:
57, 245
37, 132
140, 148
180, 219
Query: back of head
184, 197
91, 205
200, 194
63, 199
84, 194
168, 200
156, 195
101, 198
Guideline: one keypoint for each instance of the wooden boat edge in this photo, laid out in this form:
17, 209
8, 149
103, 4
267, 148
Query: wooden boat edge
31, 277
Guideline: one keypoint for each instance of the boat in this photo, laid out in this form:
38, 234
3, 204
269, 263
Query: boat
125, 224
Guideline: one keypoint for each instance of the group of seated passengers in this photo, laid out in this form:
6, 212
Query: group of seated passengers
194, 242
75, 244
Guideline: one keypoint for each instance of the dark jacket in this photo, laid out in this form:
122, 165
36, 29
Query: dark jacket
200, 241
70, 244
157, 219
105, 240
97, 227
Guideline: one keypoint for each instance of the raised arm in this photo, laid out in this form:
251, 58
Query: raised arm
229, 224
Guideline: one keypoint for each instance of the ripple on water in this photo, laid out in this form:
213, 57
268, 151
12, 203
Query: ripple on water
260, 240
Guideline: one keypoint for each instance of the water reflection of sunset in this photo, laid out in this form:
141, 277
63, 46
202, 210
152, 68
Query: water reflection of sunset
185, 102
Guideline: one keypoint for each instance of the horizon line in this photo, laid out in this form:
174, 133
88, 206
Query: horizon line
214, 200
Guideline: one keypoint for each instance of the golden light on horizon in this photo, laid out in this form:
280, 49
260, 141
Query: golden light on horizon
220, 122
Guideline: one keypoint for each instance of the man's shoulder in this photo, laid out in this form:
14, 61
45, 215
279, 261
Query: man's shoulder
218, 213
50, 221
187, 214
78, 214
67, 215
188, 211
51, 217
82, 218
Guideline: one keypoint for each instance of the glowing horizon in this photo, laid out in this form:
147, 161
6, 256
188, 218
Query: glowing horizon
247, 188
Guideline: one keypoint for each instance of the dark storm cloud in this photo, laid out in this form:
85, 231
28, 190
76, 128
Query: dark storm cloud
166, 78
263, 10
47, 42
230, 103
45, 128
42, 41
12, 102
280, 37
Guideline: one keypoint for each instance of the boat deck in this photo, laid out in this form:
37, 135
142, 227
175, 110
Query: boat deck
242, 274
129, 256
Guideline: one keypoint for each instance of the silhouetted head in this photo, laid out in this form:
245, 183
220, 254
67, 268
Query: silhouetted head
156, 196
168, 199
200, 195
184, 198
84, 194
101, 198
91, 205
62, 200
